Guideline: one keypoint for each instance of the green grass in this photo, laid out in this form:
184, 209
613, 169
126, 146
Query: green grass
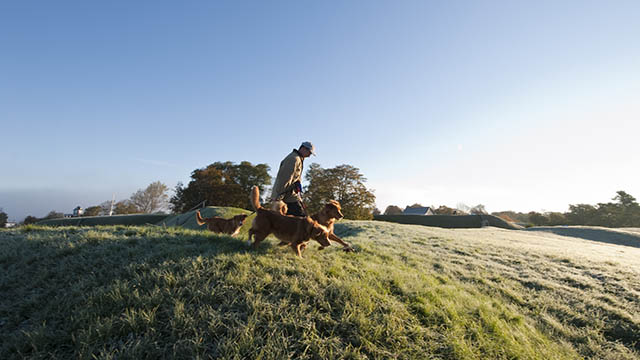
409, 292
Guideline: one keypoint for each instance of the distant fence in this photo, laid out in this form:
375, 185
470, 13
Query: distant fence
135, 219
449, 221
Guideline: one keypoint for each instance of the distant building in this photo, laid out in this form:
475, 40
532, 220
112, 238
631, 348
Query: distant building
78, 211
10, 224
418, 211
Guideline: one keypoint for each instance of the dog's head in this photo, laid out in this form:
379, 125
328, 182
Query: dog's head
333, 210
238, 220
318, 233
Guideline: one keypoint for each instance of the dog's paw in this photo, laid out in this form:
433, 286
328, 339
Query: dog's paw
349, 249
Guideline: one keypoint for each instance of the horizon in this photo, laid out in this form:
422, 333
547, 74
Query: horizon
518, 107
67, 197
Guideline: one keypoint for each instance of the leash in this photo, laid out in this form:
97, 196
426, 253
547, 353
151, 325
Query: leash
203, 203
296, 186
304, 206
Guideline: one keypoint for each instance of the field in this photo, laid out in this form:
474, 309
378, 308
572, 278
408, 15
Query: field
409, 292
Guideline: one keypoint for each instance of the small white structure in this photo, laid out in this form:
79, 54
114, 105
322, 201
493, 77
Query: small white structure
10, 224
418, 211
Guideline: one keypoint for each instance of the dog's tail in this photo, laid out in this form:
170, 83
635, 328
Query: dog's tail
255, 198
199, 218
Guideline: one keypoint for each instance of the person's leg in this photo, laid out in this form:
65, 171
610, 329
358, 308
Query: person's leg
295, 209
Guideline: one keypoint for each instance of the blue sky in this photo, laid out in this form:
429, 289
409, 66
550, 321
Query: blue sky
511, 104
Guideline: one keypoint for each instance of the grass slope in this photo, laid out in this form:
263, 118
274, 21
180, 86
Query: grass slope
409, 292
188, 219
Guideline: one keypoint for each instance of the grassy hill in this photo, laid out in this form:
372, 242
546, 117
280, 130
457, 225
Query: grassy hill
188, 219
408, 292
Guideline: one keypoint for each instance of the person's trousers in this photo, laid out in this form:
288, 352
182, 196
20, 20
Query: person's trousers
295, 209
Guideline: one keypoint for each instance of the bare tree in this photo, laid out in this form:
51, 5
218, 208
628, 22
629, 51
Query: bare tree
105, 207
478, 210
445, 210
463, 208
152, 199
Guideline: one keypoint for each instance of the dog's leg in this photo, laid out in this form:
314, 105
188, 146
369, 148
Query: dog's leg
257, 238
251, 233
335, 238
296, 248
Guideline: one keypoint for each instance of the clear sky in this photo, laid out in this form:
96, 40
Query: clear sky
517, 105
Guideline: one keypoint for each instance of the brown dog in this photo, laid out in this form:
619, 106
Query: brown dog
295, 231
330, 213
219, 225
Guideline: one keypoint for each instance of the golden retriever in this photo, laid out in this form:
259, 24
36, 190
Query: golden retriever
295, 231
330, 213
219, 225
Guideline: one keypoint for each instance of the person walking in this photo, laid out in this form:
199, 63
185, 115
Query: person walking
287, 186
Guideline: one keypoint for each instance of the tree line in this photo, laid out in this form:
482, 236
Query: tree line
153, 199
229, 184
624, 211
461, 209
